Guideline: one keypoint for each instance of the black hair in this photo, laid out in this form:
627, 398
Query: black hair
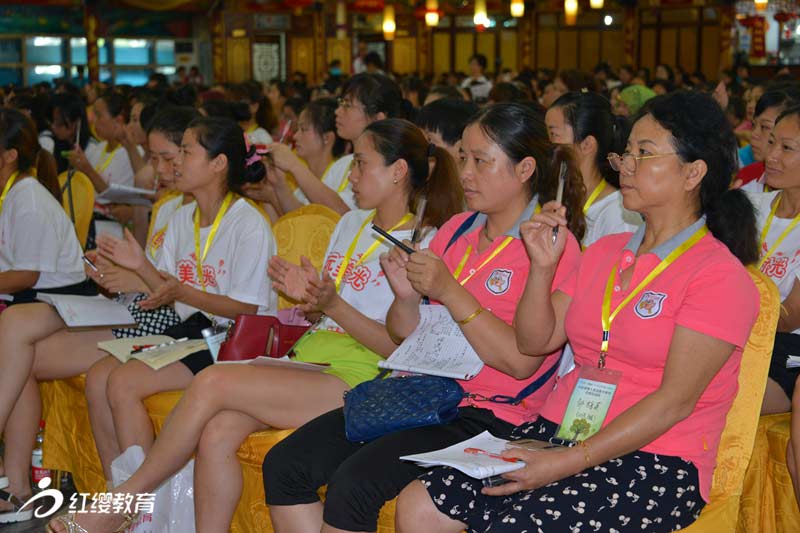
224, 136
377, 93
18, 132
793, 111
373, 58
118, 105
666, 84
520, 131
172, 121
397, 139
147, 114
700, 131
37, 105
322, 116
447, 91
447, 117
220, 108
296, 104
737, 107
414, 84
670, 72
69, 108
591, 114
183, 95
782, 96
480, 59
507, 92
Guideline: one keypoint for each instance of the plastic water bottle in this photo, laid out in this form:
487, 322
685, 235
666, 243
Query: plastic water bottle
38, 472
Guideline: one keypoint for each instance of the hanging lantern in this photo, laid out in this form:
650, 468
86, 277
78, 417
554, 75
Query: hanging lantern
341, 20
389, 25
481, 18
570, 12
761, 5
517, 8
431, 13
596, 4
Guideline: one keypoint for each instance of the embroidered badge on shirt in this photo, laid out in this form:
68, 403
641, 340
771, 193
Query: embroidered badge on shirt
650, 304
499, 281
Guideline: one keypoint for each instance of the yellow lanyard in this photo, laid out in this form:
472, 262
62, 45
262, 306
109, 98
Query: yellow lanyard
463, 262
214, 227
346, 179
7, 188
252, 128
592, 197
765, 231
344, 267
607, 317
108, 160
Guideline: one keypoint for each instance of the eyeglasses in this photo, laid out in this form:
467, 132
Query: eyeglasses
630, 162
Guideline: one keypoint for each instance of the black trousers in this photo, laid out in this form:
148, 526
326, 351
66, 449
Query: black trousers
360, 477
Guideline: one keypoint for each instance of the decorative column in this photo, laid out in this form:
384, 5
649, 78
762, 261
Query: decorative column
92, 51
320, 45
525, 34
218, 46
726, 15
629, 34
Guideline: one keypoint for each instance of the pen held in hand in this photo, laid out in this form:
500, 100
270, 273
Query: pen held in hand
393, 240
562, 172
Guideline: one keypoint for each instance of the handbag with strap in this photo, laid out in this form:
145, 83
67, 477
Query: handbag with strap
382, 406
256, 335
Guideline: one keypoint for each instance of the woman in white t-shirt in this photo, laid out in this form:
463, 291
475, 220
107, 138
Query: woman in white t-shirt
107, 163
394, 164
39, 252
585, 121
366, 98
250, 110
317, 145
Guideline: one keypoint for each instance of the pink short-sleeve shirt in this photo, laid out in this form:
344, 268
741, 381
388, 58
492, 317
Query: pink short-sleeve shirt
706, 289
498, 288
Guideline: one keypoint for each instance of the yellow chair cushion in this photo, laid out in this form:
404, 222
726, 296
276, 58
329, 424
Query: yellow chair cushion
82, 199
738, 437
304, 231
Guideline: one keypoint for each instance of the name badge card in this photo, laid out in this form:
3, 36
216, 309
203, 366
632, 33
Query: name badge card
589, 403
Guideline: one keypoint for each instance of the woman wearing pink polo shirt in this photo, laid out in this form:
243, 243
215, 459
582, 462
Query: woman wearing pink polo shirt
476, 266
646, 406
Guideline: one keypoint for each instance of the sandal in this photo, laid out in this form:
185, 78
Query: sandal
14, 515
73, 527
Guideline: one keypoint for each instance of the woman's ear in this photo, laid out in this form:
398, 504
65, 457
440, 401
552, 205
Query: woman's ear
524, 169
328, 138
695, 172
10, 156
219, 163
588, 146
399, 170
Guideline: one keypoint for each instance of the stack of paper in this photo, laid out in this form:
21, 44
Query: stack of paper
437, 347
477, 465
122, 194
164, 351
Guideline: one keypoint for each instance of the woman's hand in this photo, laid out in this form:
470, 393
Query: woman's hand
166, 294
283, 157
261, 191
123, 213
116, 279
126, 253
541, 468
290, 279
537, 235
321, 295
78, 160
394, 267
429, 276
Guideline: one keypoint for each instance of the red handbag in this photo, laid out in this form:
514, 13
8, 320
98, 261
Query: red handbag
256, 335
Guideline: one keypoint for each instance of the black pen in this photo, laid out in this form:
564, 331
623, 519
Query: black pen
396, 242
560, 194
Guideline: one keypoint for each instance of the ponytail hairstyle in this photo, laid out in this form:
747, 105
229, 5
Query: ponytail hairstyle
377, 93
224, 136
18, 132
322, 116
700, 131
590, 114
519, 130
431, 170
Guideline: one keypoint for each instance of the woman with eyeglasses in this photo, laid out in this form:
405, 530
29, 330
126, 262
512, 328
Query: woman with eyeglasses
658, 320
585, 122
366, 98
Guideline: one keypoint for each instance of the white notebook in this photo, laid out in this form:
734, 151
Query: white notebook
792, 361
88, 311
477, 465
437, 347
